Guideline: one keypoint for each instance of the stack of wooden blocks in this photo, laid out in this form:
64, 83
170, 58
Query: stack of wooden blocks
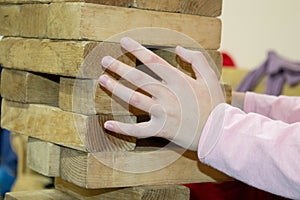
43, 50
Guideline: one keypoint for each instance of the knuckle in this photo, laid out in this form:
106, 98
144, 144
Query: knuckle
135, 99
152, 59
114, 66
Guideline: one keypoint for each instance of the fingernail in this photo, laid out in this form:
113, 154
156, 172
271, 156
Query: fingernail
103, 79
129, 44
180, 48
108, 126
125, 41
107, 61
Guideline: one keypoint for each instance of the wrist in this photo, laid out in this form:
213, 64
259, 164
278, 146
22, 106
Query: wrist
238, 99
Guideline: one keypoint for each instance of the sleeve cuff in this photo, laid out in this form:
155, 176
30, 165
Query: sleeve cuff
212, 131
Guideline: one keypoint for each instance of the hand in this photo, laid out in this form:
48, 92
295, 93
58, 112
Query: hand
179, 105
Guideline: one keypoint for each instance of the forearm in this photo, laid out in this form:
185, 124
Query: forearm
254, 149
284, 108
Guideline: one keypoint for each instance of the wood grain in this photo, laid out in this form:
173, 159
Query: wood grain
33, 20
202, 7
76, 59
88, 171
27, 87
85, 21
9, 20
43, 157
86, 96
38, 194
65, 128
66, 58
211, 8
157, 192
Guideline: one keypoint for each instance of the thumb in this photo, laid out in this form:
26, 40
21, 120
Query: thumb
203, 71
198, 60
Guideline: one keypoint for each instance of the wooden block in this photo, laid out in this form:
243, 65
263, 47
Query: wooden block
71, 58
201, 7
33, 20
9, 20
100, 22
27, 87
228, 93
211, 8
134, 168
158, 192
143, 166
39, 194
205, 30
43, 157
65, 128
67, 58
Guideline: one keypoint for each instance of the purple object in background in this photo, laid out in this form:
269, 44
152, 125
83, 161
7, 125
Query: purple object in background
278, 71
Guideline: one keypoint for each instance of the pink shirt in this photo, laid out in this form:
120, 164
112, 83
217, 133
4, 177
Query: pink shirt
259, 146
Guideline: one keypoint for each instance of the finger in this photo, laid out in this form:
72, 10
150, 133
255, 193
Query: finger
139, 130
128, 95
191, 57
134, 76
203, 71
158, 65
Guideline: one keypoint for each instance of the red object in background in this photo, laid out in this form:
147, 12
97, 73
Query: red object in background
227, 60
230, 190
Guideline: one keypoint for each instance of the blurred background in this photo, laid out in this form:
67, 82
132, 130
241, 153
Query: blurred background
252, 27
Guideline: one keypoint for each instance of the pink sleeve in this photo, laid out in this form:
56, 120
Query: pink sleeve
284, 108
254, 149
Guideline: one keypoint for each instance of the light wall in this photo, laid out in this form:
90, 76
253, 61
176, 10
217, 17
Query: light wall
252, 27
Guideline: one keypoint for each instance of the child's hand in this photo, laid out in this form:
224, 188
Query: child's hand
180, 105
